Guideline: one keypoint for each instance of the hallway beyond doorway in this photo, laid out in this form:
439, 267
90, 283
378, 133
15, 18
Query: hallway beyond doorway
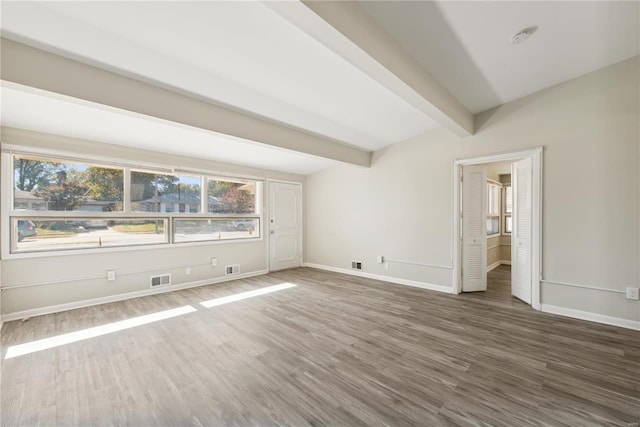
498, 291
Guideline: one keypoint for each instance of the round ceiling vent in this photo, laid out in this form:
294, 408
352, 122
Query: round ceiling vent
523, 35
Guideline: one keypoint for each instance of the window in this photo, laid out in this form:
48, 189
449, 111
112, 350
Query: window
507, 208
231, 196
56, 234
60, 205
198, 230
493, 209
152, 192
44, 184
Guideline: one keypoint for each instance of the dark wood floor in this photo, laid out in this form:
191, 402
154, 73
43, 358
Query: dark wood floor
499, 288
334, 350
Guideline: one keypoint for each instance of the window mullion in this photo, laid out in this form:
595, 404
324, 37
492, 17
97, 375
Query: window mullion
126, 202
204, 195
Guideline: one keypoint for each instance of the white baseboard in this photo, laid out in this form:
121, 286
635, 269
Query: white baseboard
120, 297
497, 264
494, 265
406, 282
592, 317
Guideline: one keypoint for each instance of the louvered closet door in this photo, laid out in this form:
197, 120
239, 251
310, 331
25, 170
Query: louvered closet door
474, 228
521, 234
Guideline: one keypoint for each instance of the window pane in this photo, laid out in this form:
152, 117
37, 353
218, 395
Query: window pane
507, 224
493, 225
41, 184
508, 200
76, 233
235, 196
493, 199
164, 193
199, 230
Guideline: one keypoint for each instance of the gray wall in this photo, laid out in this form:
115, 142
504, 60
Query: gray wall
493, 250
402, 206
83, 277
505, 249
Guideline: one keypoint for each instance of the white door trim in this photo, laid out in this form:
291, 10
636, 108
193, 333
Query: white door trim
536, 215
267, 216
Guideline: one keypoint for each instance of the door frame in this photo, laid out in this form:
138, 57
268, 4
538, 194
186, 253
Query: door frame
536, 215
267, 216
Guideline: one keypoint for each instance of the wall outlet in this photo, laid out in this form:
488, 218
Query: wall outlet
632, 293
214, 261
111, 275
356, 265
187, 270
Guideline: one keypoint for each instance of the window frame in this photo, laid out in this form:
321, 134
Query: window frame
506, 214
9, 213
490, 214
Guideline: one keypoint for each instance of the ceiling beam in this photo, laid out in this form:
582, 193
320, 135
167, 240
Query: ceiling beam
350, 32
28, 66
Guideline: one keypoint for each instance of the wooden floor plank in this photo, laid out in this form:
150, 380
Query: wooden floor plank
334, 350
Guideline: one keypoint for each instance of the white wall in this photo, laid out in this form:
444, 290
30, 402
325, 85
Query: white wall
1, 237
401, 207
137, 263
493, 250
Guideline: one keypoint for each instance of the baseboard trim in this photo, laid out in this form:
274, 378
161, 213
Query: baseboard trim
592, 317
494, 265
497, 264
398, 281
121, 297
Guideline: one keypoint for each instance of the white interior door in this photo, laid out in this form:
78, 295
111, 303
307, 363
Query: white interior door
285, 225
521, 174
474, 228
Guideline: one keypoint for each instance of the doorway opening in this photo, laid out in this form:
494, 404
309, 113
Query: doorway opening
499, 283
497, 223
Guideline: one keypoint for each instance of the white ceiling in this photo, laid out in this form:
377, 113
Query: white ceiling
466, 44
501, 168
246, 56
241, 54
59, 115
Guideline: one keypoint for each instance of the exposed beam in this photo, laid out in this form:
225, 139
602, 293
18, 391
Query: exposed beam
36, 68
349, 31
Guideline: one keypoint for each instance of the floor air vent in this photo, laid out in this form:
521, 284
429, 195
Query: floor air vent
162, 280
232, 269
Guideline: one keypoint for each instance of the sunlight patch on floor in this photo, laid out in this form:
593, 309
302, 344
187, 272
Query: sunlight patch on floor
244, 295
71, 337
47, 343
